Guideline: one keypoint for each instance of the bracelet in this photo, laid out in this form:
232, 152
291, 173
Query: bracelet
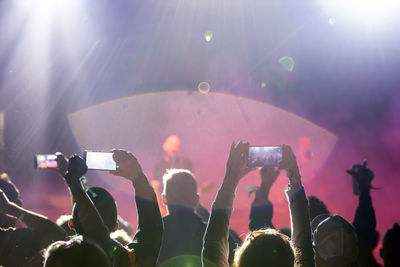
21, 216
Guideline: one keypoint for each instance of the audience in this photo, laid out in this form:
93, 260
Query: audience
19, 245
77, 252
215, 250
183, 228
95, 213
90, 236
262, 209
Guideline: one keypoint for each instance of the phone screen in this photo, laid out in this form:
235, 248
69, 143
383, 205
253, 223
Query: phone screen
260, 156
100, 161
46, 161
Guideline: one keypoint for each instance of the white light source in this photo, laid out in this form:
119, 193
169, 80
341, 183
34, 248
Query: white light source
362, 12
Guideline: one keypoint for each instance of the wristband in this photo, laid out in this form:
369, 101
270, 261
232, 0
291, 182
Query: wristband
21, 216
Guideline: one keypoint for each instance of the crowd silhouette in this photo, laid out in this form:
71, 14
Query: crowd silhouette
190, 235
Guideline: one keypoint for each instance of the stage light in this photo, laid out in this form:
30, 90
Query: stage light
263, 84
361, 12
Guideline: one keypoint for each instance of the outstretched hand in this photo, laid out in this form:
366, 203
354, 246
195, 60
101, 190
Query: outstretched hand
289, 164
362, 174
76, 167
127, 164
237, 161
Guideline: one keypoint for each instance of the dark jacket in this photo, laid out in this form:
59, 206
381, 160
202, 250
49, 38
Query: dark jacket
183, 238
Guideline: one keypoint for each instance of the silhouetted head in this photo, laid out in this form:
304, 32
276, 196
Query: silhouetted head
316, 207
172, 145
390, 251
77, 252
265, 248
13, 195
180, 189
335, 242
105, 205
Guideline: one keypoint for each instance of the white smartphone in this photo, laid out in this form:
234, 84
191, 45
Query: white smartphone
100, 161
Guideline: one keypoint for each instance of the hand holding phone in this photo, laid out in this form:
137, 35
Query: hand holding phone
128, 165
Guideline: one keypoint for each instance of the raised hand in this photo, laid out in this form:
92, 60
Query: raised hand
62, 163
76, 167
362, 174
289, 164
237, 161
127, 164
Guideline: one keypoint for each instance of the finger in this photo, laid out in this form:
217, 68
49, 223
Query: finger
350, 172
246, 150
119, 155
232, 147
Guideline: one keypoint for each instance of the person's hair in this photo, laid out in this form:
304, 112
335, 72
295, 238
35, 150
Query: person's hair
392, 235
316, 207
265, 248
77, 252
286, 231
180, 188
390, 251
13, 195
105, 205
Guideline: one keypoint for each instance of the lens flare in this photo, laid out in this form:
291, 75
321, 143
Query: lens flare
204, 87
287, 63
208, 35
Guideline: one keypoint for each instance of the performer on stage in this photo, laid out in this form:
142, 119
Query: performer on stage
171, 160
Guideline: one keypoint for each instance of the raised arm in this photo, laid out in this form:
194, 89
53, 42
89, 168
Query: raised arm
147, 240
46, 229
299, 213
364, 219
262, 209
90, 219
216, 247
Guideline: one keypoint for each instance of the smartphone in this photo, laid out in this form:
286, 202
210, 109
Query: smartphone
100, 161
45, 161
261, 156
